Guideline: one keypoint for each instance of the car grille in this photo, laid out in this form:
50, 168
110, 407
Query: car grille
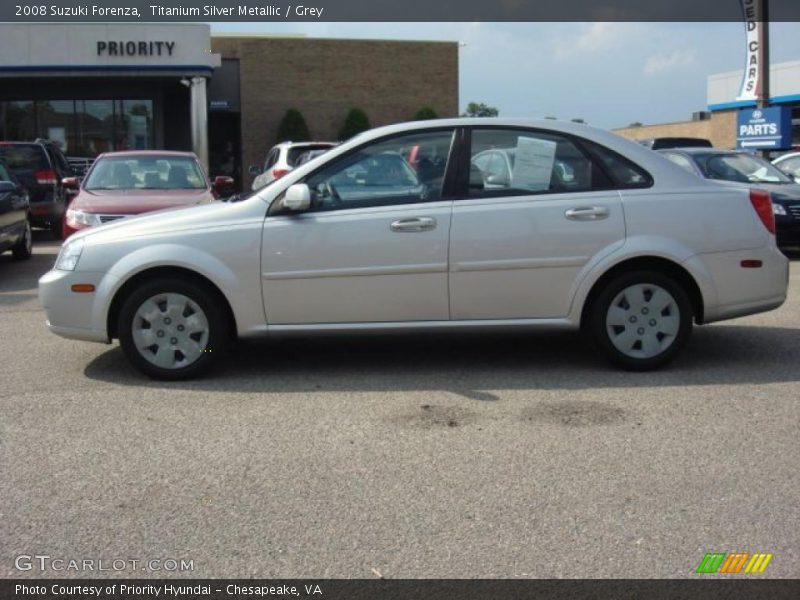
794, 210
109, 218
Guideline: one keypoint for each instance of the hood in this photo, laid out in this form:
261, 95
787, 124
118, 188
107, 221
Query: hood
134, 202
174, 220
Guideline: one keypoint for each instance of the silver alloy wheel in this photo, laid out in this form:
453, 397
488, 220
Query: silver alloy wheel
643, 320
170, 330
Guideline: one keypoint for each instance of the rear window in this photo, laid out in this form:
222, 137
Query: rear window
24, 157
295, 152
624, 173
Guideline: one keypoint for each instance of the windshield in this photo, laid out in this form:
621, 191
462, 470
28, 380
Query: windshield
146, 173
743, 168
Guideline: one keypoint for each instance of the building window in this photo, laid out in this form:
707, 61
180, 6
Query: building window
82, 128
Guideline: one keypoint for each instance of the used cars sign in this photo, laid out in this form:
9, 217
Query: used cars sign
764, 128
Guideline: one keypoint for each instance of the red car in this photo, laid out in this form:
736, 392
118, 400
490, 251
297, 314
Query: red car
120, 184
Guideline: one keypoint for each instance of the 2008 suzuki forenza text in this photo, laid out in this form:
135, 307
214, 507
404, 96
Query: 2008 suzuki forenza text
436, 225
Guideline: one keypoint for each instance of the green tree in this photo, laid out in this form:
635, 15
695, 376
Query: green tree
480, 110
293, 127
425, 113
635, 124
578, 121
355, 122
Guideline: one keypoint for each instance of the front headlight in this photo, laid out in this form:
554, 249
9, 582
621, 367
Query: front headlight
778, 209
70, 254
80, 218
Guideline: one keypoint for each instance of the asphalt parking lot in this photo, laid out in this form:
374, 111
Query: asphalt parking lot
463, 456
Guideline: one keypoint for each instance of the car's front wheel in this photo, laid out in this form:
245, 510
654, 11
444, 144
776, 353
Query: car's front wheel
172, 329
641, 320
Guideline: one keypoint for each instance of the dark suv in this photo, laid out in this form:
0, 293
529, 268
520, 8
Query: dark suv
41, 166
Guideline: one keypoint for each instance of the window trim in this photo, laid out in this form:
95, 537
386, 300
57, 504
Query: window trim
447, 180
579, 143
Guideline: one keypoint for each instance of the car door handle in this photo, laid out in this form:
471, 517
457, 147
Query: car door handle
587, 213
415, 224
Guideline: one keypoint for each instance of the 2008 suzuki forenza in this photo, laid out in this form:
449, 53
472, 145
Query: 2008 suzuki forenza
436, 225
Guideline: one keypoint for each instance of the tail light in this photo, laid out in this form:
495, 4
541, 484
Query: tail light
763, 206
278, 172
46, 177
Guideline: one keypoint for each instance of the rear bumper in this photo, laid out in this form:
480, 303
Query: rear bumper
745, 291
46, 212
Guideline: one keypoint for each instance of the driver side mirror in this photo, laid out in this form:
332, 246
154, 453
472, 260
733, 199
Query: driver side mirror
71, 183
297, 197
497, 180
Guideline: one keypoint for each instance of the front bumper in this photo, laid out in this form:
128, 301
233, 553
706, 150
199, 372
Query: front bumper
72, 315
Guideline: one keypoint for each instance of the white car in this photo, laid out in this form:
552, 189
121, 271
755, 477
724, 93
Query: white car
789, 164
630, 248
281, 159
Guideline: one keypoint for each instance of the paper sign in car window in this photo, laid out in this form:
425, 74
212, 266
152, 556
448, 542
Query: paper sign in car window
533, 164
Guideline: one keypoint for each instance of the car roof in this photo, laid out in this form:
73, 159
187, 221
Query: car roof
303, 144
704, 151
658, 166
146, 153
37, 143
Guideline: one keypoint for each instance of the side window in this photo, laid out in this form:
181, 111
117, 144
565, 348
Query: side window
514, 162
4, 176
272, 158
401, 170
681, 161
623, 172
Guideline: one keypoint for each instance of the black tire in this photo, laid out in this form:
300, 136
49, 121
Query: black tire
600, 328
215, 344
23, 249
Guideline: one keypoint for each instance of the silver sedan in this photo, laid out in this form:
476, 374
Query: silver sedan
400, 229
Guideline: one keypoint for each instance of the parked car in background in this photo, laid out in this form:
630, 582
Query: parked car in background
676, 142
41, 168
281, 159
789, 164
121, 184
633, 252
750, 171
15, 216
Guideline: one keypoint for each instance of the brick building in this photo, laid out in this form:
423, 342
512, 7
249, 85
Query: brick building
324, 79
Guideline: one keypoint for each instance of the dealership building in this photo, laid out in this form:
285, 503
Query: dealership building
101, 87
718, 122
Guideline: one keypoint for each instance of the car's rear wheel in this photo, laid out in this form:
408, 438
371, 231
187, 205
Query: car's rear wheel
23, 249
172, 329
641, 320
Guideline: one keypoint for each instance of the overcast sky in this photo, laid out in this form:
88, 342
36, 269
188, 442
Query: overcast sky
609, 74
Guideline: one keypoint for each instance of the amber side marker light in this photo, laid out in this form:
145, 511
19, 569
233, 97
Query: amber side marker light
82, 288
751, 264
